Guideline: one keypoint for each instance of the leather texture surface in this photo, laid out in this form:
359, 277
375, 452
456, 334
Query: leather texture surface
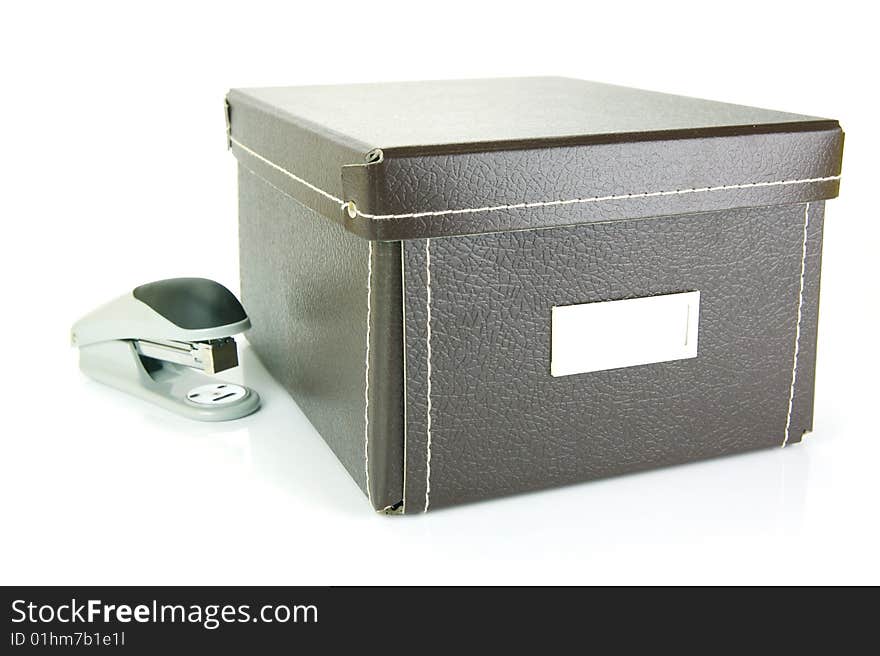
462, 407
436, 183
450, 115
304, 282
471, 144
500, 424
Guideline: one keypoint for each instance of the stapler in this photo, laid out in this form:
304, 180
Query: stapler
154, 341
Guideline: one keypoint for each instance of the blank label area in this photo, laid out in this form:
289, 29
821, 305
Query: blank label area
615, 334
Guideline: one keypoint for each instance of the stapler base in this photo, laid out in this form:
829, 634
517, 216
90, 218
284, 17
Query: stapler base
173, 386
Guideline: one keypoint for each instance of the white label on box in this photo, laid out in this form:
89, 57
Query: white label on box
614, 334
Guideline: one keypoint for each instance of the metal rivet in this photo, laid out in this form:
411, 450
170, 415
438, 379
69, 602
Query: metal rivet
352, 210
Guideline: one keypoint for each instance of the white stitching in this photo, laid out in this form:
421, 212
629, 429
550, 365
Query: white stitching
593, 199
351, 207
428, 322
367, 377
293, 176
797, 332
405, 365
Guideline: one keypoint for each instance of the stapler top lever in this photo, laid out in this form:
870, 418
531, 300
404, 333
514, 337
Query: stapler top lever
154, 341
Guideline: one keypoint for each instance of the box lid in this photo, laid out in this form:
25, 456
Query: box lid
429, 159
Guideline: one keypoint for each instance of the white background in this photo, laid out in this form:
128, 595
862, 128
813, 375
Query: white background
115, 172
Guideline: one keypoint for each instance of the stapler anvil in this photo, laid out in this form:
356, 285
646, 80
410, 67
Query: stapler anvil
151, 342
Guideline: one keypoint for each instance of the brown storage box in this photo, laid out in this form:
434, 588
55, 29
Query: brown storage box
483, 287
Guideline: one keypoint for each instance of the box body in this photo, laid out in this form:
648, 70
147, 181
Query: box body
402, 280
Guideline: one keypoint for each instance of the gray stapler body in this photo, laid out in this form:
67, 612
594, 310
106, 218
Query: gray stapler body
152, 341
